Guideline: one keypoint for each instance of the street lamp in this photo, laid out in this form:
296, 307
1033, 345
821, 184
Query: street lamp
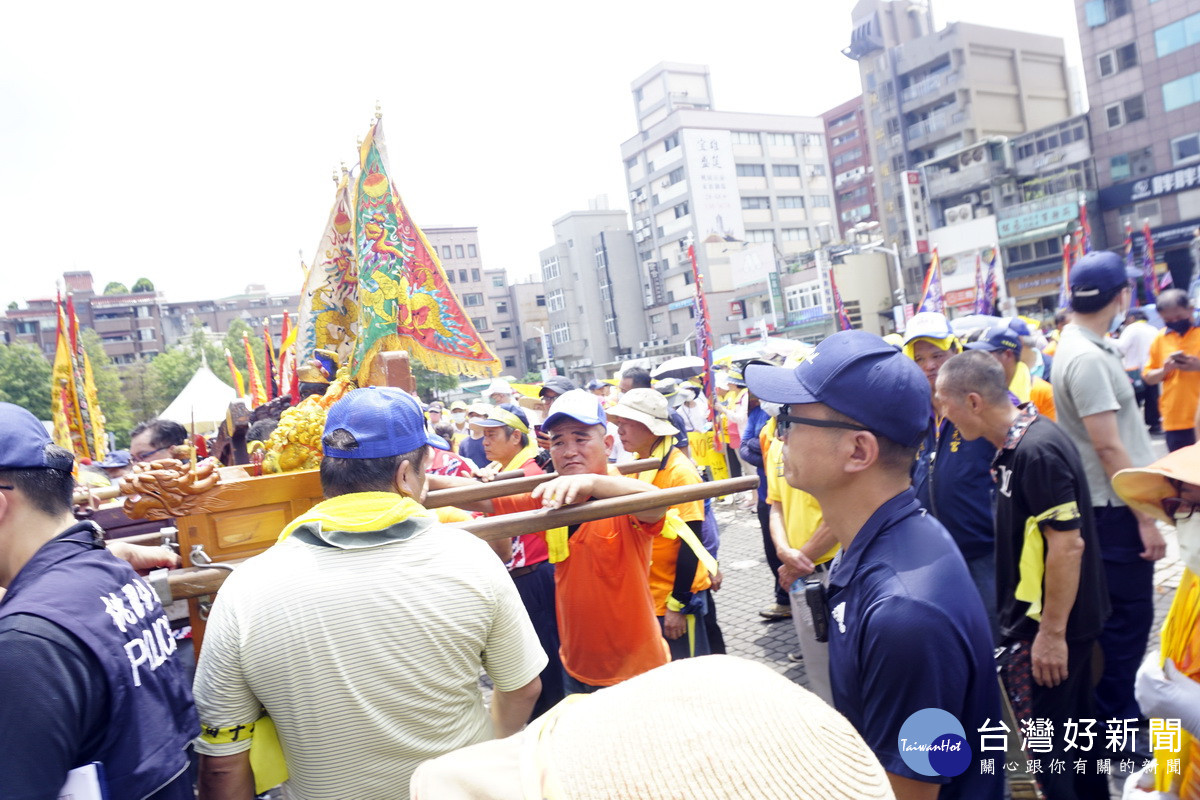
894, 252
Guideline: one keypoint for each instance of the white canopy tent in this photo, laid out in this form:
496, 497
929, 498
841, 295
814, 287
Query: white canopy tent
203, 401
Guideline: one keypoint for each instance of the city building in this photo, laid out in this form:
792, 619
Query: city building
750, 191
593, 296
935, 95
253, 306
533, 325
483, 293
1141, 61
848, 144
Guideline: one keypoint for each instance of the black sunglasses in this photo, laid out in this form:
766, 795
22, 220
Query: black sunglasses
1174, 506
785, 421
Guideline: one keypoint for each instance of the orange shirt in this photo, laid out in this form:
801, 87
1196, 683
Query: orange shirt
664, 554
1180, 390
606, 621
1042, 395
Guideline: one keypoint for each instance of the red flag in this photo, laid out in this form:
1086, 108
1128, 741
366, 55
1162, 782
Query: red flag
256, 394
235, 375
269, 384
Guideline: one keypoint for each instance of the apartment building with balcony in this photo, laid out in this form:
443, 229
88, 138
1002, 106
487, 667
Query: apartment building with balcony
532, 323
929, 94
1141, 61
848, 141
737, 186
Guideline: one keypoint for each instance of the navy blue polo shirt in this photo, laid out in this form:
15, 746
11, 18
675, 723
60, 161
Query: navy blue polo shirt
907, 631
953, 480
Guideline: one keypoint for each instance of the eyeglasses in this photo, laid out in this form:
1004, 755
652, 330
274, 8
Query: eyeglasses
146, 455
1177, 508
784, 422
9, 488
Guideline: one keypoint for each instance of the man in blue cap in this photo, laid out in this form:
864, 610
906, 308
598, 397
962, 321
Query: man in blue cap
1098, 410
907, 629
87, 665
363, 631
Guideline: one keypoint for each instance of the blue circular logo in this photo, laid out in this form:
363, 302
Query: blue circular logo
933, 742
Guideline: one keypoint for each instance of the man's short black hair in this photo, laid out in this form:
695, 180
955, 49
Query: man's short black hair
348, 475
1172, 298
163, 432
50, 491
1062, 317
974, 371
1090, 305
261, 430
639, 377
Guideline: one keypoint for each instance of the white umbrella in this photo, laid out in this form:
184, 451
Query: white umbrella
204, 400
680, 367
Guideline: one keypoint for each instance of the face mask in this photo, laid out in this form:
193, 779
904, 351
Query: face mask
1188, 532
459, 417
1115, 325
1180, 326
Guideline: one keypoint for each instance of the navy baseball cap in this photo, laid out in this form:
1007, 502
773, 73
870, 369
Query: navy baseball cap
385, 422
1098, 272
115, 459
578, 405
23, 442
998, 337
858, 374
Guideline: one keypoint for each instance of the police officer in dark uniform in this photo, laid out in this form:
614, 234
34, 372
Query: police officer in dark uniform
87, 665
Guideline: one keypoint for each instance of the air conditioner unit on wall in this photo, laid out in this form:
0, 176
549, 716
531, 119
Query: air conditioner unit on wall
986, 196
961, 213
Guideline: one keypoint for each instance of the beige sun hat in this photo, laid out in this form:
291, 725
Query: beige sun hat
613, 745
1144, 488
646, 406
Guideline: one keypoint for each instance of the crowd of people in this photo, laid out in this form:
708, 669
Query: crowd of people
936, 508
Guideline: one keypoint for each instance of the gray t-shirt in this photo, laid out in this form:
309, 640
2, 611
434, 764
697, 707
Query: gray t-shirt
1090, 379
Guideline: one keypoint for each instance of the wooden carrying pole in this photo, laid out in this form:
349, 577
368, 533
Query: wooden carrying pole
199, 581
500, 487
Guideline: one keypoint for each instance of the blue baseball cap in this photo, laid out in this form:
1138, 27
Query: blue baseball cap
115, 459
1098, 272
578, 405
385, 422
23, 442
998, 337
858, 374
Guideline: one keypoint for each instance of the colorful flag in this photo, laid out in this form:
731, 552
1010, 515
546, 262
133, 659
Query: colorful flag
1148, 269
270, 383
257, 394
704, 344
1085, 239
64, 404
1167, 281
991, 283
289, 377
843, 319
1064, 291
328, 318
981, 301
404, 300
235, 374
932, 298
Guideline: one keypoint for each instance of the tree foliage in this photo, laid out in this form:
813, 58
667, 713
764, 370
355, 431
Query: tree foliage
25, 378
143, 285
169, 372
116, 287
429, 382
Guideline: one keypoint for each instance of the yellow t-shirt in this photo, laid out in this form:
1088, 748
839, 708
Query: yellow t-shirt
801, 511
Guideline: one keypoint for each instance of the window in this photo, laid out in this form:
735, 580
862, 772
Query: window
480, 323
794, 234
475, 275
1181, 92
445, 251
812, 140
472, 252
743, 137
555, 301
506, 332
1131, 109
458, 251
848, 136
1185, 149
462, 275
498, 281
756, 202
816, 170
561, 333
1100, 12
610, 325
1118, 167
687, 279
1113, 61
656, 319
509, 361
842, 120
892, 126
671, 142
502, 307
760, 236
790, 201
1177, 35
674, 328
786, 171
472, 299
550, 268
450, 275
844, 158
804, 296
781, 140
540, 300
631, 163
681, 210
674, 176
751, 171
821, 201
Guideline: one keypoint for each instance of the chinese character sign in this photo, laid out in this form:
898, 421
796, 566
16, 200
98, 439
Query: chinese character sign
716, 205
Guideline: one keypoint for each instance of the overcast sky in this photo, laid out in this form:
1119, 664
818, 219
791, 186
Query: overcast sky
193, 144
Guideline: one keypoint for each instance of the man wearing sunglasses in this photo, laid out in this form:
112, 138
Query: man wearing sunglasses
1050, 584
907, 630
153, 439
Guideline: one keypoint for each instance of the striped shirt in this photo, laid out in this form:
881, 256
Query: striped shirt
366, 659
